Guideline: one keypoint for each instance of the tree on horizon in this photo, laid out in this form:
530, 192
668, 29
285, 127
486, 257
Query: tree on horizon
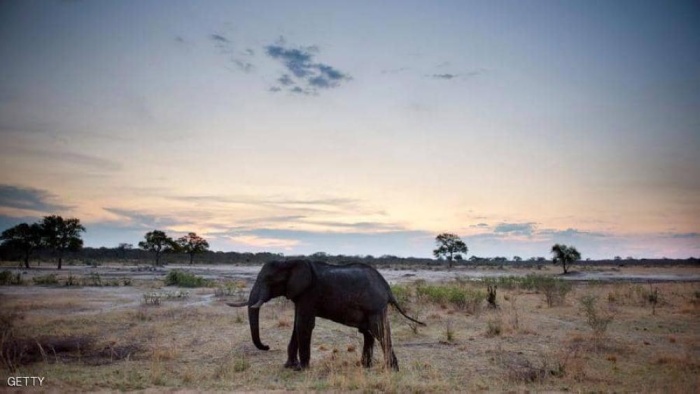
61, 235
448, 246
158, 242
566, 255
25, 238
192, 244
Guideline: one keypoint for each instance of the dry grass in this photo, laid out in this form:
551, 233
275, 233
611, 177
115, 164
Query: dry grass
202, 344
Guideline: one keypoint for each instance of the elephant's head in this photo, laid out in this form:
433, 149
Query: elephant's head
276, 278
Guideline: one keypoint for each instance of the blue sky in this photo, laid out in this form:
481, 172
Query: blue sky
357, 128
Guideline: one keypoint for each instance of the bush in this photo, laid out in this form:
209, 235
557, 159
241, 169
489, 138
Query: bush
464, 299
154, 297
7, 278
597, 321
71, 281
230, 289
49, 279
554, 289
402, 294
94, 279
185, 279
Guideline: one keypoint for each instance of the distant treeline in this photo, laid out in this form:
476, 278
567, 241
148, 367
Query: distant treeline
97, 256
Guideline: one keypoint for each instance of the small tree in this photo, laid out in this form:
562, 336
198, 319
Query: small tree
158, 242
61, 235
192, 244
24, 238
449, 245
566, 255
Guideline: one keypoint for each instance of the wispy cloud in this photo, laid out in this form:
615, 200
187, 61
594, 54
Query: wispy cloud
303, 75
28, 199
453, 76
685, 235
402, 243
144, 220
570, 232
263, 243
445, 76
515, 228
219, 38
240, 59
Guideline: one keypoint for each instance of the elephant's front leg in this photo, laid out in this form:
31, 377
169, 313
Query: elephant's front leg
304, 321
293, 351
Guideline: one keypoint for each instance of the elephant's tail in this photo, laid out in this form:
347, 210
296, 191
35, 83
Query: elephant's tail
393, 302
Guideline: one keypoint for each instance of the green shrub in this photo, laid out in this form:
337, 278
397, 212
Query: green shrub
504, 282
596, 320
71, 281
155, 297
402, 294
185, 279
49, 279
8, 278
464, 299
554, 289
94, 279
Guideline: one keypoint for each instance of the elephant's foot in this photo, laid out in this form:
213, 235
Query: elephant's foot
293, 364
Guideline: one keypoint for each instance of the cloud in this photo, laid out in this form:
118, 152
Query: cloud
570, 233
402, 243
243, 65
241, 59
451, 76
219, 38
28, 199
515, 228
285, 80
364, 227
144, 220
445, 76
304, 75
262, 243
685, 235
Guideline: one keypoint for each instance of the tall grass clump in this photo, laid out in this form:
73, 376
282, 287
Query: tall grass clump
402, 294
554, 289
185, 279
8, 278
597, 320
48, 280
461, 298
504, 282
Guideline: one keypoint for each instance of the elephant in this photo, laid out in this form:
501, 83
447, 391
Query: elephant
353, 294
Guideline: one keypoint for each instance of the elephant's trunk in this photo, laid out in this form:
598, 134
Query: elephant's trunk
258, 296
253, 318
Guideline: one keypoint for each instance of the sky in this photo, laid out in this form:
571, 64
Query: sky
357, 127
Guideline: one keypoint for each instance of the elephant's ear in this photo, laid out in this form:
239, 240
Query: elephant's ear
300, 279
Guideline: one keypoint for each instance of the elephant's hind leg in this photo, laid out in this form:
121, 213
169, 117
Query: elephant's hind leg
382, 331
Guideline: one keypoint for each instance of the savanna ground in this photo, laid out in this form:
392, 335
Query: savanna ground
124, 329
